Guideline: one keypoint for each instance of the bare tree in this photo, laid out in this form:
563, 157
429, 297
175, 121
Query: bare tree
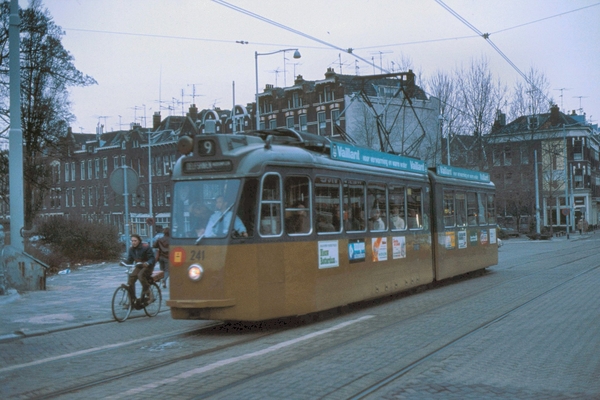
47, 71
531, 97
479, 96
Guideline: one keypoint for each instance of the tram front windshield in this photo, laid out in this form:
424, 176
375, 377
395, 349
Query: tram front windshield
206, 208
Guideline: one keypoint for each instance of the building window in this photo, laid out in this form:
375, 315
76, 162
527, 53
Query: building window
524, 155
322, 123
115, 162
67, 195
302, 120
89, 169
290, 122
507, 155
335, 122
73, 196
327, 95
67, 171
578, 149
105, 167
273, 124
82, 170
97, 168
73, 171
105, 195
83, 197
90, 196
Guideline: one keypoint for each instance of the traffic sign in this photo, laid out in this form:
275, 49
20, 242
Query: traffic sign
117, 180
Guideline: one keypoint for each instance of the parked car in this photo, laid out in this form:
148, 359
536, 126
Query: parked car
506, 232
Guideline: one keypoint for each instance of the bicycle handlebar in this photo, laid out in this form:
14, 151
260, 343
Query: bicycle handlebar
124, 264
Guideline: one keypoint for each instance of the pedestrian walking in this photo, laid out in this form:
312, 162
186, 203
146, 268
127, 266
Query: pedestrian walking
162, 244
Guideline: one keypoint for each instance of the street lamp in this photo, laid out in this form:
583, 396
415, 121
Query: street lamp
256, 54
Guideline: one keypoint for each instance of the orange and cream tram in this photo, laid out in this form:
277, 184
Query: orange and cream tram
281, 223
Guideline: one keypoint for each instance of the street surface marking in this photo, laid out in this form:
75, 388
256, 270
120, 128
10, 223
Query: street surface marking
81, 352
215, 365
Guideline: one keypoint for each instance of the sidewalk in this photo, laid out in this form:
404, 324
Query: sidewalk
80, 298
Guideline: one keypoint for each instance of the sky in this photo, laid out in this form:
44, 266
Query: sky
163, 55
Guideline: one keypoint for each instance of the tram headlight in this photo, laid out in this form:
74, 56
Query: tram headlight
195, 272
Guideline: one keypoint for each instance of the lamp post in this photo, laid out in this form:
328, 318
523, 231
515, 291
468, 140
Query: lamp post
150, 186
256, 54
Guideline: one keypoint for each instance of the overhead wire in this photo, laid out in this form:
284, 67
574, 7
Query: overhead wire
486, 36
297, 32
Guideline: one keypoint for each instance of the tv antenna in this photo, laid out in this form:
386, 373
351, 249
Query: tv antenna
276, 71
381, 53
561, 97
580, 97
194, 95
340, 63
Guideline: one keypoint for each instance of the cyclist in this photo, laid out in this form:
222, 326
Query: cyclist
142, 254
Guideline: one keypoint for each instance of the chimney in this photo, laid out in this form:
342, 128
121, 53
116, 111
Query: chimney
554, 112
299, 80
193, 113
156, 120
330, 73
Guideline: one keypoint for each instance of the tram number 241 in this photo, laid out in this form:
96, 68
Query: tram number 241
197, 255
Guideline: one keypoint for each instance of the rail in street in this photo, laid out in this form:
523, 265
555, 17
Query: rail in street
526, 328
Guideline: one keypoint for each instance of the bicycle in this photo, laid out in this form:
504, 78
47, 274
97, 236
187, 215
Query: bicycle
123, 302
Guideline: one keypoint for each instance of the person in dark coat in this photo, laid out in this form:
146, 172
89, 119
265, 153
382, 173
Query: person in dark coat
162, 245
142, 254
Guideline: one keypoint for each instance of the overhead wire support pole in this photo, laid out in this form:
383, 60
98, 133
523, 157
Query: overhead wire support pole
15, 159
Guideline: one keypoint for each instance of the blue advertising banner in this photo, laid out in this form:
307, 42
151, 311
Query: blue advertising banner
359, 155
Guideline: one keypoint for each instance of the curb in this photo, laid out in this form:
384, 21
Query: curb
9, 337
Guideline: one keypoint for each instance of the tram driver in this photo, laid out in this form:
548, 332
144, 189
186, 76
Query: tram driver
220, 220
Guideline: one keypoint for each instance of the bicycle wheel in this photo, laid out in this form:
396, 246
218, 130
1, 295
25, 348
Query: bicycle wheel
121, 304
154, 306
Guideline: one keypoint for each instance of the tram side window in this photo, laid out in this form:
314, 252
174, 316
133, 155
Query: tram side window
327, 204
472, 208
354, 206
270, 206
377, 202
449, 212
397, 201
414, 205
297, 205
491, 209
482, 205
461, 208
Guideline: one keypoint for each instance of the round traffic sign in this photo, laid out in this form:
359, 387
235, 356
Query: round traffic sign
117, 180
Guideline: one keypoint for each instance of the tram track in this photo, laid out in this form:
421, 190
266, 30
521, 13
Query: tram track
372, 389
153, 366
400, 373
120, 374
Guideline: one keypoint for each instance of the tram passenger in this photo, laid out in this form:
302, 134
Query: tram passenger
376, 223
199, 216
219, 221
397, 220
413, 219
323, 225
358, 222
298, 221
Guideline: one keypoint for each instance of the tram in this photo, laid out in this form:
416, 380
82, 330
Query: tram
279, 223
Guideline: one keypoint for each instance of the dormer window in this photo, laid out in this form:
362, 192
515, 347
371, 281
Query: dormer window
123, 145
532, 122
